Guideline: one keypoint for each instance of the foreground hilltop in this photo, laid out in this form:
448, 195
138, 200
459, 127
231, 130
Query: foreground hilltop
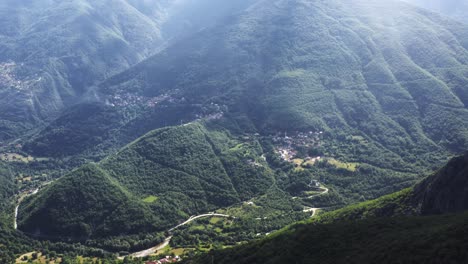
148, 186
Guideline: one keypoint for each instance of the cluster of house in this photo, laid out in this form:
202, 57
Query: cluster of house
9, 79
167, 259
287, 153
128, 99
287, 144
307, 139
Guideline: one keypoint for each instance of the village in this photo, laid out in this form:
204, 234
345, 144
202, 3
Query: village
129, 99
291, 147
9, 79
167, 259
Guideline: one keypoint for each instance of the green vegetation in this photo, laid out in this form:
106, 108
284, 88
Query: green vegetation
102, 207
387, 230
148, 186
343, 165
387, 99
430, 239
150, 199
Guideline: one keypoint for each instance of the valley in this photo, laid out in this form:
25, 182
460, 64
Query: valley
216, 131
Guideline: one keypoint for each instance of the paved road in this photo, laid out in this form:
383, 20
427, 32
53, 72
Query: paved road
193, 218
153, 250
325, 191
313, 210
20, 199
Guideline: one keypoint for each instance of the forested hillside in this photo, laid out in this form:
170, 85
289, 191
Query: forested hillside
309, 71
387, 230
122, 119
381, 111
148, 186
52, 53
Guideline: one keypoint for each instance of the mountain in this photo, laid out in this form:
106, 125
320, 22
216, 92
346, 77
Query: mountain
384, 83
52, 52
386, 88
446, 191
290, 66
148, 186
83, 204
427, 235
455, 9
393, 75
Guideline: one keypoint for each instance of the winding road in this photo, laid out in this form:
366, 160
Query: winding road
153, 250
193, 218
313, 210
325, 191
20, 199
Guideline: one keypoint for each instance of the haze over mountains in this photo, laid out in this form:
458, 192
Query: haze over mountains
53, 51
120, 119
455, 9
289, 66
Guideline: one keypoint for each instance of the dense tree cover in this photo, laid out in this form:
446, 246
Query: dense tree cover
58, 51
433, 239
187, 169
389, 94
309, 71
52, 68
85, 204
389, 229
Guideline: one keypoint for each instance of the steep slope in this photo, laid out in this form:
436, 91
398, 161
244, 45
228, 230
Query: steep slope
394, 73
337, 237
162, 178
453, 8
7, 191
446, 191
52, 52
430, 239
386, 83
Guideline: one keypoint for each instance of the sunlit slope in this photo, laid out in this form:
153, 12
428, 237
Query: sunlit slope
162, 178
51, 52
385, 69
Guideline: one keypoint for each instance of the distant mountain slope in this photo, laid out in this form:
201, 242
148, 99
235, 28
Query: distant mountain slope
399, 79
364, 233
162, 178
456, 9
52, 52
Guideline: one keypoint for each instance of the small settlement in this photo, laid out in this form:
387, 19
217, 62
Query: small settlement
167, 259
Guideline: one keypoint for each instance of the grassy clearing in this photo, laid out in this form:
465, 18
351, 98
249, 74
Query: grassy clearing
215, 220
350, 166
28, 258
150, 199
